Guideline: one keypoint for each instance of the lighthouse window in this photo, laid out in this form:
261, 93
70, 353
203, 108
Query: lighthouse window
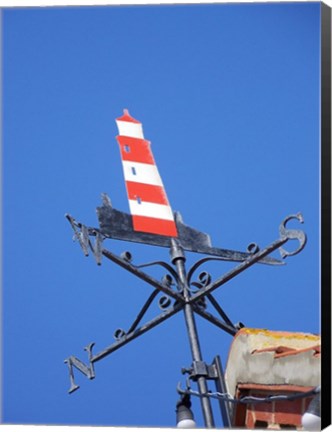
133, 170
126, 148
138, 199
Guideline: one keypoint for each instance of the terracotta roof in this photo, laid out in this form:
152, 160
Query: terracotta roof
284, 351
260, 356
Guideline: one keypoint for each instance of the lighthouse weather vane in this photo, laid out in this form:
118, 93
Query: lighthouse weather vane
151, 221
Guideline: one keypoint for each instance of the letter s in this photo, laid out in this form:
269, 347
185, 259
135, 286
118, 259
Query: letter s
292, 234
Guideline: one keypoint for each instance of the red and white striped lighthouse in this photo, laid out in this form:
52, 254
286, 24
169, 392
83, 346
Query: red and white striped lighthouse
148, 203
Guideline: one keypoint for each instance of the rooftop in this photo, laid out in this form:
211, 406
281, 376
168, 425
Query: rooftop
266, 357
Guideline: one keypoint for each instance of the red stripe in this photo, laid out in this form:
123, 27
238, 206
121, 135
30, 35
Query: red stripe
127, 117
135, 150
147, 193
155, 226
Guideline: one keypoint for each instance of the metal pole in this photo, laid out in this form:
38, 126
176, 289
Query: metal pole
178, 259
225, 407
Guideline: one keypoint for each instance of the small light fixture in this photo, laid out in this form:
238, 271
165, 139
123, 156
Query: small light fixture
184, 415
311, 420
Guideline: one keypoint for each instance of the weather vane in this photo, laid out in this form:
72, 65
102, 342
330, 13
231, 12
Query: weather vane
151, 221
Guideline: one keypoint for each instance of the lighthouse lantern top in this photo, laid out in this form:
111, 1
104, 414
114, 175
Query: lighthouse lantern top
128, 126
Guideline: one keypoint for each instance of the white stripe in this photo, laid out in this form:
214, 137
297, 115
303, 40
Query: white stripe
152, 210
130, 129
141, 173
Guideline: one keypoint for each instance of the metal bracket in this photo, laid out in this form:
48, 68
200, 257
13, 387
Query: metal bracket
213, 372
200, 368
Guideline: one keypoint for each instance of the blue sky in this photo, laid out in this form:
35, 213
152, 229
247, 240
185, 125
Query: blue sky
229, 96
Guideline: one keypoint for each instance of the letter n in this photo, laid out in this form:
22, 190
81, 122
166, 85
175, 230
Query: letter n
87, 370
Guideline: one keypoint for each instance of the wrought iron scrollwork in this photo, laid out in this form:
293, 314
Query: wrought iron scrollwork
119, 334
178, 290
127, 256
164, 302
166, 266
198, 264
253, 248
